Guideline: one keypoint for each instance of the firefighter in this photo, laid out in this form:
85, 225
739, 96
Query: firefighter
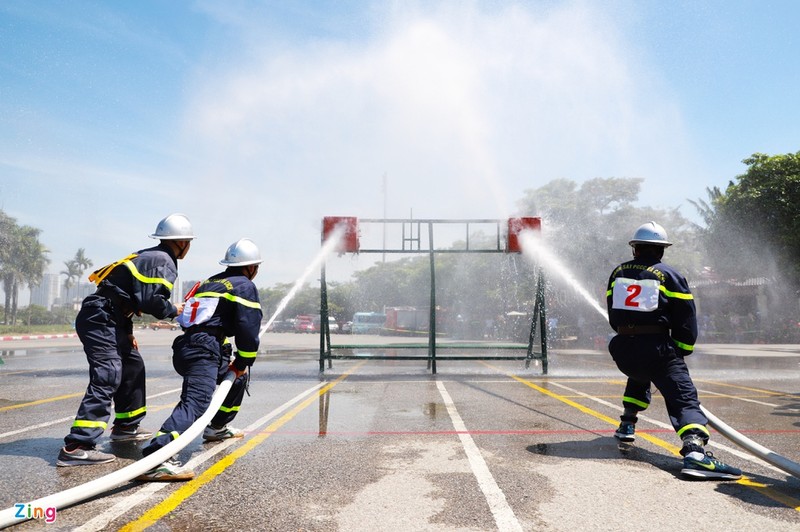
652, 310
139, 283
226, 305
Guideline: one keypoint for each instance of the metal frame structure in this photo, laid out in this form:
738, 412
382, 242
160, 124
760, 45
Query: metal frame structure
412, 244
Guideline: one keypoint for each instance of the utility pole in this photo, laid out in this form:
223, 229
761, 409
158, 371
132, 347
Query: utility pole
384, 215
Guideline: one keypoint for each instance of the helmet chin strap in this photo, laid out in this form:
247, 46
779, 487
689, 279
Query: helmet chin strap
179, 247
251, 271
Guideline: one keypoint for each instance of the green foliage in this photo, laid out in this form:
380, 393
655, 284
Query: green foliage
23, 260
588, 227
756, 231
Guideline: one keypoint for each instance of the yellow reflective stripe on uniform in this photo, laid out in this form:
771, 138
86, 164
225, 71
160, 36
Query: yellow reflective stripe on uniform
145, 279
128, 415
85, 423
693, 426
676, 295
247, 354
611, 288
101, 273
626, 399
230, 297
685, 347
229, 409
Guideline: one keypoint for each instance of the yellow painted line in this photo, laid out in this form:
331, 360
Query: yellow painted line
57, 398
763, 489
586, 410
42, 401
758, 390
188, 489
770, 493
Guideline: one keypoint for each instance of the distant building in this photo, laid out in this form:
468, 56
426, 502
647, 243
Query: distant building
47, 292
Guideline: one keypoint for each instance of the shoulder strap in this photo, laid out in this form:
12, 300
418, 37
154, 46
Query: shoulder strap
100, 274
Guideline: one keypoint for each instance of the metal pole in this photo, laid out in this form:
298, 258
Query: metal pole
432, 313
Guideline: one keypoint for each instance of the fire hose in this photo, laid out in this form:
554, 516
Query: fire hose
126, 474
754, 448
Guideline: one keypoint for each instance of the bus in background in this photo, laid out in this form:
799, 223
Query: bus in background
368, 322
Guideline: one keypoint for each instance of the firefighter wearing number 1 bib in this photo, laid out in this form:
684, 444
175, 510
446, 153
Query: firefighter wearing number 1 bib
653, 312
226, 305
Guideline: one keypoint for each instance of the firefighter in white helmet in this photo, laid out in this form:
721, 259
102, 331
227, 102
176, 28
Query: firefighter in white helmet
224, 306
140, 283
652, 310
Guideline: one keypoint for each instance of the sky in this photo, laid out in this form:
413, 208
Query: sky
258, 119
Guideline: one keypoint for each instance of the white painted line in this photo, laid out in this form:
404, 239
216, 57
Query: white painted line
732, 450
123, 505
503, 514
68, 418
707, 392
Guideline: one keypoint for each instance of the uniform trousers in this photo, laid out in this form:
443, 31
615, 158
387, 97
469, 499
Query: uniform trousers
203, 364
116, 372
651, 358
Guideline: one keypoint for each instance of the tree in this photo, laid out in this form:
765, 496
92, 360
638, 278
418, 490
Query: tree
8, 229
72, 273
757, 227
586, 229
82, 261
32, 261
22, 261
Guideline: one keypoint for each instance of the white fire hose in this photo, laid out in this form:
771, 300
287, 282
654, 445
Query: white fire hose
126, 474
760, 451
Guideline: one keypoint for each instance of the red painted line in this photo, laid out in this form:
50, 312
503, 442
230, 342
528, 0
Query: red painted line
37, 337
482, 432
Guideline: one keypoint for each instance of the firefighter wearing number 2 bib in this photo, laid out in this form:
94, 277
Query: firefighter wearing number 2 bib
653, 312
226, 305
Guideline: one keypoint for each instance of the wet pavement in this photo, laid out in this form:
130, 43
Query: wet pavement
386, 445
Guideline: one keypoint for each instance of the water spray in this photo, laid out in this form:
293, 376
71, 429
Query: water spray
8, 517
533, 249
328, 246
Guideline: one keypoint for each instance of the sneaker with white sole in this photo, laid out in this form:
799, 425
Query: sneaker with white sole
224, 433
705, 466
626, 432
170, 471
130, 433
83, 455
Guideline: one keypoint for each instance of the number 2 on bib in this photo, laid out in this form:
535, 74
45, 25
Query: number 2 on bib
638, 295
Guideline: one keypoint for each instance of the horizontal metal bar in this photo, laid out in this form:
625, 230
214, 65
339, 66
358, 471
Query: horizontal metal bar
487, 347
410, 251
430, 220
445, 357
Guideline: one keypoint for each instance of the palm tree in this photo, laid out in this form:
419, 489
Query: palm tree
34, 262
23, 262
73, 273
8, 228
81, 263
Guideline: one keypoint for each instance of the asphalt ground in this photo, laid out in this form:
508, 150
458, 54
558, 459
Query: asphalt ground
385, 445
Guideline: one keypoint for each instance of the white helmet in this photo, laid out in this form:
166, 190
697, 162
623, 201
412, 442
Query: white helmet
650, 233
243, 252
174, 227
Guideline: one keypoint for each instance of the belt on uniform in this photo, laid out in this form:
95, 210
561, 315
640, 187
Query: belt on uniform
216, 332
642, 329
116, 301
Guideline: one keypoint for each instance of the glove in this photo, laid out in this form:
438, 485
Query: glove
238, 372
